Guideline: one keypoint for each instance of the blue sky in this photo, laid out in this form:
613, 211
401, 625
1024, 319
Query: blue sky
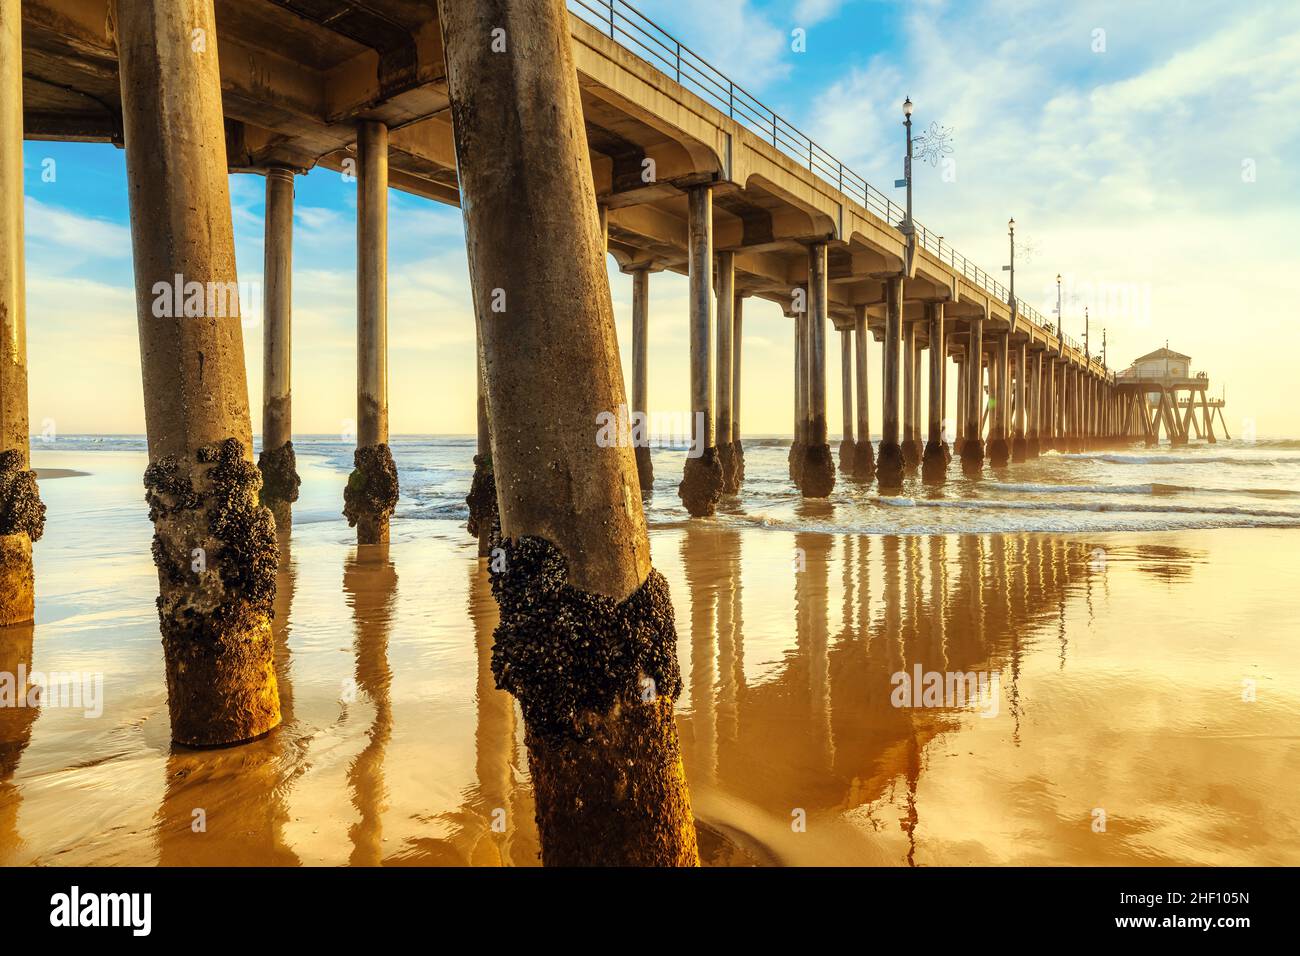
1147, 156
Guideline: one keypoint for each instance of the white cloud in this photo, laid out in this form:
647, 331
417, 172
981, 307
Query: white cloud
70, 232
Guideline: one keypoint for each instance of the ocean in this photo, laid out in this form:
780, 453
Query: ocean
1234, 484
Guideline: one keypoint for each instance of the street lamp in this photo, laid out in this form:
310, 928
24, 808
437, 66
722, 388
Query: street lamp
1103, 346
1086, 351
1011, 231
907, 166
1060, 318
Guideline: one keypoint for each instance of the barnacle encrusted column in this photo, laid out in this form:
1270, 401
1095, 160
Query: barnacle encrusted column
277, 462
22, 516
371, 492
586, 639
702, 478
817, 477
214, 545
889, 462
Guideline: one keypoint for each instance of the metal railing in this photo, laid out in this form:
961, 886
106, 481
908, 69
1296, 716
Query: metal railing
1151, 373
641, 36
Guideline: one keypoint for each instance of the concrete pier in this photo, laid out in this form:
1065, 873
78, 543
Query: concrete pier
576, 579
999, 376
864, 457
935, 462
889, 462
277, 462
725, 281
372, 489
972, 448
848, 445
817, 476
22, 515
641, 370
911, 366
1019, 446
214, 545
702, 477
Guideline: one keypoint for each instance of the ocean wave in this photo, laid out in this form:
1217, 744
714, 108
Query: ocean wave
1151, 488
1095, 506
1119, 459
1032, 522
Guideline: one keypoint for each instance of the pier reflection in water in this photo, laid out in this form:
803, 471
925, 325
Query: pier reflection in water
1119, 687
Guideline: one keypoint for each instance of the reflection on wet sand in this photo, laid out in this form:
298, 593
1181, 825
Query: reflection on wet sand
494, 824
229, 807
16, 720
370, 586
821, 734
1116, 690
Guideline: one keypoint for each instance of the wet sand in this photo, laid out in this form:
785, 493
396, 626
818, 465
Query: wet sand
49, 474
1121, 660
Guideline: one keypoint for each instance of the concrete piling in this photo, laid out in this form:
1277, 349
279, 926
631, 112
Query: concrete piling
214, 545
586, 639
1019, 446
848, 445
372, 490
972, 448
1034, 440
817, 476
800, 438
959, 425
1048, 437
484, 518
999, 377
737, 477
725, 279
934, 465
22, 515
911, 363
864, 458
889, 462
277, 463
641, 372
702, 477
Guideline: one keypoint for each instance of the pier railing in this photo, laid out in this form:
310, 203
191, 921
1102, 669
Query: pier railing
641, 36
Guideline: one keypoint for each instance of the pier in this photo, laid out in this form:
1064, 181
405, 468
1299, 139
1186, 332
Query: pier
652, 156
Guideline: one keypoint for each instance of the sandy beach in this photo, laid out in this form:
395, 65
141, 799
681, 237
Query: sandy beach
1122, 663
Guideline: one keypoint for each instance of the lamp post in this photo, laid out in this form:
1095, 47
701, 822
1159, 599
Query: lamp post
1060, 319
1087, 352
1011, 231
907, 166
